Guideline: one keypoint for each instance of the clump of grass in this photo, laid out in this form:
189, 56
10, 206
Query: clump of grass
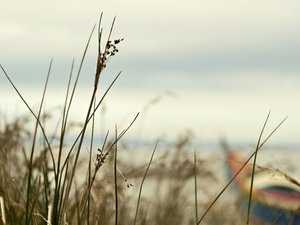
101, 190
39, 183
171, 178
42, 187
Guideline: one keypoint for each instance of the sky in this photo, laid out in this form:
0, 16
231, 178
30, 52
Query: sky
213, 67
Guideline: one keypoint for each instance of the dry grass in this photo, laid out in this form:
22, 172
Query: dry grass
46, 183
167, 197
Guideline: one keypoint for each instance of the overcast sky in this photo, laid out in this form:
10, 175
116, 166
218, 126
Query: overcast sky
218, 66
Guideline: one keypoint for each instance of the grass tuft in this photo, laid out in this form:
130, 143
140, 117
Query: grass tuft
48, 179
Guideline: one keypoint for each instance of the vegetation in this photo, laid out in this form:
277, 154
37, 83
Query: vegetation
44, 181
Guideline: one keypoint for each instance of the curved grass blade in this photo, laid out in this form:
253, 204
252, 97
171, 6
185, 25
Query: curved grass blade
31, 111
142, 183
28, 200
238, 172
253, 169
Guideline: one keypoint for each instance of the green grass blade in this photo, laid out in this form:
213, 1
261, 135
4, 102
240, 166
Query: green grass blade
90, 169
31, 111
253, 168
28, 210
238, 172
57, 214
92, 114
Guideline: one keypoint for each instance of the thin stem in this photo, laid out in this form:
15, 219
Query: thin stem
112, 146
116, 179
28, 214
238, 172
60, 173
92, 114
31, 111
64, 120
142, 183
253, 168
195, 186
99, 35
58, 212
90, 168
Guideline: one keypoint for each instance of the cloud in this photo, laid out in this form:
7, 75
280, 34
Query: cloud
226, 60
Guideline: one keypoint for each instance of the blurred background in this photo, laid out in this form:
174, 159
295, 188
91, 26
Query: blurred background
213, 67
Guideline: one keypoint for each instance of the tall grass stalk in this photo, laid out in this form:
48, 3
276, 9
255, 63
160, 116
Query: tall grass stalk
32, 113
253, 168
29, 210
91, 116
103, 57
116, 178
101, 158
37, 198
64, 121
90, 168
239, 171
63, 168
62, 189
196, 187
142, 183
